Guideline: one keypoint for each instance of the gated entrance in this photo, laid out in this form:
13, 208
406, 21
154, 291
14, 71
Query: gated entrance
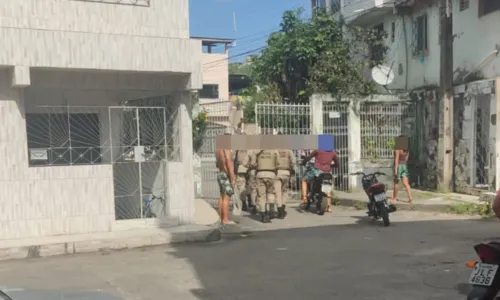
138, 155
335, 122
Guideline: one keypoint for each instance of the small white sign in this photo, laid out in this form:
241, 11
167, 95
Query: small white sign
334, 115
39, 154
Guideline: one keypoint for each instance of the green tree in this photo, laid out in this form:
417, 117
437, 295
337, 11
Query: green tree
305, 57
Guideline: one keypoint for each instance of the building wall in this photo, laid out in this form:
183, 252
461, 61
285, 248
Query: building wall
89, 35
475, 41
57, 200
216, 71
412, 71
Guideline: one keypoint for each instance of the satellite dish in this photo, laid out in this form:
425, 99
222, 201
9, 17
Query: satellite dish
382, 75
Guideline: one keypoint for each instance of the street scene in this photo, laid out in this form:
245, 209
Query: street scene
249, 149
345, 255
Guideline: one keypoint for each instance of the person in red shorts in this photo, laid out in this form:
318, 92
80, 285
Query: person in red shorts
322, 164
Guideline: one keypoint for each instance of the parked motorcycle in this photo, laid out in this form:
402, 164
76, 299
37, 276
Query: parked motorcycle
485, 279
377, 198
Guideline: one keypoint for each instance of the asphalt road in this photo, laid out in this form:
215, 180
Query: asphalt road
421, 256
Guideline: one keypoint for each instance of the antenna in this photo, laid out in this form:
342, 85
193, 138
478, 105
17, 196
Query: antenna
234, 24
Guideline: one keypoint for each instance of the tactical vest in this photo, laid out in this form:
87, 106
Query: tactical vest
283, 160
241, 156
266, 161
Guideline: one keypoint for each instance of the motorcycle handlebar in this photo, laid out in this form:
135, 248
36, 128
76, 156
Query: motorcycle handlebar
365, 175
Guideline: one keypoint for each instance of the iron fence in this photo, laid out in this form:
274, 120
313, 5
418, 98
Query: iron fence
136, 141
381, 124
335, 122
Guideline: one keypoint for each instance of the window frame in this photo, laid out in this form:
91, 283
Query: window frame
422, 35
483, 5
76, 149
214, 93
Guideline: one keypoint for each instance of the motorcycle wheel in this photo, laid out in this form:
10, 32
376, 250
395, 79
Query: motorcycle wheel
321, 206
384, 214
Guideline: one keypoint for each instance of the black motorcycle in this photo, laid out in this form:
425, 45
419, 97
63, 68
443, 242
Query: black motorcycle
378, 207
485, 279
318, 189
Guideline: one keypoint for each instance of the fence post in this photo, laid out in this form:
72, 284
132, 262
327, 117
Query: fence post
354, 142
497, 134
316, 102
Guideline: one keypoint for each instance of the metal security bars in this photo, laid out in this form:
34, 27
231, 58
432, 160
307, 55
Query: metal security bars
218, 120
381, 124
290, 119
137, 141
335, 122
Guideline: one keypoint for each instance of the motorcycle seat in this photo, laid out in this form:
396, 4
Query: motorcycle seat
327, 176
378, 184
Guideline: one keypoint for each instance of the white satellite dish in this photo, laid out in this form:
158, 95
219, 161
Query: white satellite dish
383, 75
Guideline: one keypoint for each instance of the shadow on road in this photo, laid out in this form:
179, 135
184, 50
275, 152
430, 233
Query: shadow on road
408, 260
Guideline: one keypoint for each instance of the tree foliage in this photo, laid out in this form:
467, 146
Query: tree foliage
318, 56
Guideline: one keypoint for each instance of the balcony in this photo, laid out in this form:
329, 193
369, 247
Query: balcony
366, 12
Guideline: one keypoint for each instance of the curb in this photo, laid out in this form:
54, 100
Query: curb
114, 241
440, 208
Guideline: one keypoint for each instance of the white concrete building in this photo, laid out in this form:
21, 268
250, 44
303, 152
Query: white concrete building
215, 71
413, 37
74, 159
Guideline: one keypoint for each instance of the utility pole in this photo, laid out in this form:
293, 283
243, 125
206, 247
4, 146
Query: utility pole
445, 142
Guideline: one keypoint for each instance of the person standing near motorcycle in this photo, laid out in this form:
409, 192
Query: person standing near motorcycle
265, 164
401, 173
286, 163
322, 164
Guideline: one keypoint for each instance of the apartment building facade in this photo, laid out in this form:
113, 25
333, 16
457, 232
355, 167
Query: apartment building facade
82, 152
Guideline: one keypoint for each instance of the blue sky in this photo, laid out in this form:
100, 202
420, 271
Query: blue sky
255, 19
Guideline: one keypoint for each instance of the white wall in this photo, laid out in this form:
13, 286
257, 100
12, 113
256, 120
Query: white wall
476, 38
412, 72
89, 35
216, 71
46, 200
56, 200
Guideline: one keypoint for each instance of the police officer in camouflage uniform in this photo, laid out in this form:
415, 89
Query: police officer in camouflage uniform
286, 163
241, 171
265, 164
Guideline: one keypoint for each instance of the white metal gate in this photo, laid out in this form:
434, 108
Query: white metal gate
335, 122
138, 154
218, 120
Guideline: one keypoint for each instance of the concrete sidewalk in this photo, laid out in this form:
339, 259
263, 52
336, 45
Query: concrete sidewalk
422, 200
205, 228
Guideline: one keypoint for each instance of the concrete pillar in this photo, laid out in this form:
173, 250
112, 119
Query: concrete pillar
354, 143
316, 102
445, 142
180, 174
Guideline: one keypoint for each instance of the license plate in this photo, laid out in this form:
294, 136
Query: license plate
326, 188
483, 274
380, 197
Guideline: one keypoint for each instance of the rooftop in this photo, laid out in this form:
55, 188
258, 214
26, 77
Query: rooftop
210, 41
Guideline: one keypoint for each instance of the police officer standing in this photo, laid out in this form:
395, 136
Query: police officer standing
265, 163
252, 185
286, 163
241, 171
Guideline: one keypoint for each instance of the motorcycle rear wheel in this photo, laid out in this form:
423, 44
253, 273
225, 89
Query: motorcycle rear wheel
384, 214
321, 206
